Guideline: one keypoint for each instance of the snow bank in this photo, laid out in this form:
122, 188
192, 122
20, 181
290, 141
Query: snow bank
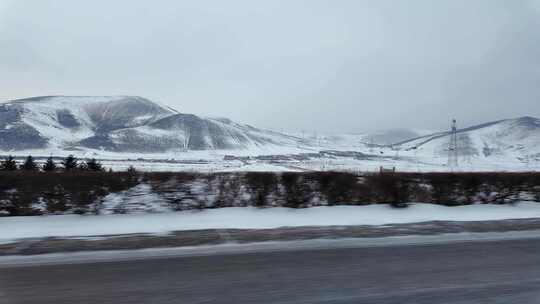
261, 167
252, 218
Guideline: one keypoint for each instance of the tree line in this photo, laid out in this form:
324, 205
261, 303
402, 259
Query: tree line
70, 163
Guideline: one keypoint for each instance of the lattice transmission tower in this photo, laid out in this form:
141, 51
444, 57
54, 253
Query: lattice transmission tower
453, 148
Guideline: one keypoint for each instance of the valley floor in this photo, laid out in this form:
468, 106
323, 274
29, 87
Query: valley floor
286, 159
340, 164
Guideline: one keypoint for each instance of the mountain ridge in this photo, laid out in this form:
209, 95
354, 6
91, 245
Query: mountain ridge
119, 123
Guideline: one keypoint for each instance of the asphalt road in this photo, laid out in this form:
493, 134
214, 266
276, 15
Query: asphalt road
505, 272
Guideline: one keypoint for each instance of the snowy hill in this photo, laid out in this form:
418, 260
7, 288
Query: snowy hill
120, 124
514, 139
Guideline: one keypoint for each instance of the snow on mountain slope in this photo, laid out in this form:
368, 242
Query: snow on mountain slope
511, 139
120, 127
360, 141
64, 121
120, 124
392, 136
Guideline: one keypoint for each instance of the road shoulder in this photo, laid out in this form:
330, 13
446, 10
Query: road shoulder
222, 241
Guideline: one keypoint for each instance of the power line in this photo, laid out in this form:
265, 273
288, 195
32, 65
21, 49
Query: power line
453, 147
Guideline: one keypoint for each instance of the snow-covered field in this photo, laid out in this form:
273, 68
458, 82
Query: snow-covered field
345, 164
206, 166
215, 163
13, 228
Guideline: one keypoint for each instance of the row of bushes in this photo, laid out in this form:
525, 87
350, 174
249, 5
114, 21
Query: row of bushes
33, 193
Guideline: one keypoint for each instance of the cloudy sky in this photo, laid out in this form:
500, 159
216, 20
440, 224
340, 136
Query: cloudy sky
330, 66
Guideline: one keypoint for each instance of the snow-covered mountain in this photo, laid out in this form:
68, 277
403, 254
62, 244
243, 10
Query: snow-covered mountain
517, 138
116, 126
120, 124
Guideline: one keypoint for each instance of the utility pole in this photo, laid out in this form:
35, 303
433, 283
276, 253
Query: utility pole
453, 148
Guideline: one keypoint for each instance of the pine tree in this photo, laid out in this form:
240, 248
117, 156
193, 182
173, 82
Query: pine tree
70, 163
29, 164
94, 165
49, 165
8, 164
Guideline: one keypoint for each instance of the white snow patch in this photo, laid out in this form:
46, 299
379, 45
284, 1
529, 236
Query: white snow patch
261, 167
139, 199
14, 228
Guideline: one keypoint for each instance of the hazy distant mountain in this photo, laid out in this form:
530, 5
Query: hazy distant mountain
120, 123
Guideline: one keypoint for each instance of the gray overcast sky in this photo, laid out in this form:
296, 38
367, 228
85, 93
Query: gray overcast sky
334, 66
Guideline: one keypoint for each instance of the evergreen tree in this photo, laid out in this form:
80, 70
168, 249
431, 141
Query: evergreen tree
94, 165
70, 163
8, 164
49, 165
29, 164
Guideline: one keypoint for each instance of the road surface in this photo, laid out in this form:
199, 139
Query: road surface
503, 271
